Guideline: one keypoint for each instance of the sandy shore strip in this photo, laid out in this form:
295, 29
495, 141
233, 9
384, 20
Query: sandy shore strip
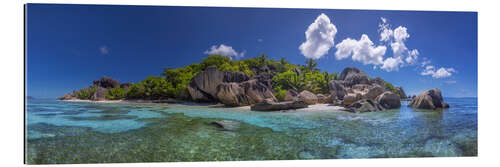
314, 107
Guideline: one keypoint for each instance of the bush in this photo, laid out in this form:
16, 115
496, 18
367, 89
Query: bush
86, 93
279, 93
116, 93
151, 88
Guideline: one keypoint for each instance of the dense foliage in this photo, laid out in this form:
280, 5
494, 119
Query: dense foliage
116, 93
85, 93
391, 88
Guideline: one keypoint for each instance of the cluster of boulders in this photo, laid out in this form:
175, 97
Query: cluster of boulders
101, 86
430, 99
230, 88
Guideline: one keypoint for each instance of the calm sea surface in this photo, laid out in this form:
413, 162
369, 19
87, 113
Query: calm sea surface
74, 132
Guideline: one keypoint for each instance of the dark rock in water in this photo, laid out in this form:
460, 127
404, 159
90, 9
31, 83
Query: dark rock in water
352, 76
308, 97
66, 97
290, 95
228, 125
106, 82
337, 87
126, 85
430, 99
99, 94
235, 76
364, 105
389, 100
275, 106
203, 86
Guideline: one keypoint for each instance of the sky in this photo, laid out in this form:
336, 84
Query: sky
69, 46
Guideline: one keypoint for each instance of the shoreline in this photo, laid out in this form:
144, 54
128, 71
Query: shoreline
318, 106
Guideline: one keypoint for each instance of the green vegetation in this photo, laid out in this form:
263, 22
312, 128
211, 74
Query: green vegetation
174, 81
116, 93
391, 88
86, 93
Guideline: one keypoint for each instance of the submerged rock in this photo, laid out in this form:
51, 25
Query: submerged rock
430, 99
277, 106
229, 125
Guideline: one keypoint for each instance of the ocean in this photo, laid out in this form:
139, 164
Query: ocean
79, 132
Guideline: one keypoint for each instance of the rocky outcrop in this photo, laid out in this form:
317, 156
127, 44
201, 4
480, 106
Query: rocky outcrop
308, 97
364, 105
203, 86
290, 95
235, 76
231, 94
337, 87
352, 76
106, 82
268, 105
430, 99
373, 92
126, 85
378, 81
323, 99
257, 92
266, 79
66, 97
351, 98
389, 100
99, 94
401, 92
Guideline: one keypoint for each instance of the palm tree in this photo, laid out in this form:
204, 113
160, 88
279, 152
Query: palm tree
311, 64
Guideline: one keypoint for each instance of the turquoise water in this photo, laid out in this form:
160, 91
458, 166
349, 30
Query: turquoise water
74, 132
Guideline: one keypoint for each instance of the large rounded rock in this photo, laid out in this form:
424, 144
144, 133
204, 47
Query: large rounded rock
351, 98
66, 97
203, 86
352, 76
290, 95
364, 105
430, 99
106, 82
323, 99
235, 76
268, 105
378, 81
308, 97
257, 92
231, 94
389, 100
99, 94
373, 92
336, 87
401, 92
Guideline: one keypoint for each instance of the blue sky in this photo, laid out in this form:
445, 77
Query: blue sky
69, 46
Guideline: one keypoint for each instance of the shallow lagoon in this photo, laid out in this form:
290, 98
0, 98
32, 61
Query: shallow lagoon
75, 132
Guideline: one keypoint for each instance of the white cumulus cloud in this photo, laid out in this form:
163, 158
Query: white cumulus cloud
439, 73
362, 50
224, 50
392, 64
319, 38
412, 56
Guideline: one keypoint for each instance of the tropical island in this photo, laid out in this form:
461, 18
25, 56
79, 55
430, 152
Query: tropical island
262, 83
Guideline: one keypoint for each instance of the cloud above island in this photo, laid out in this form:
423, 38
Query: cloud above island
362, 50
224, 50
439, 73
104, 50
319, 38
